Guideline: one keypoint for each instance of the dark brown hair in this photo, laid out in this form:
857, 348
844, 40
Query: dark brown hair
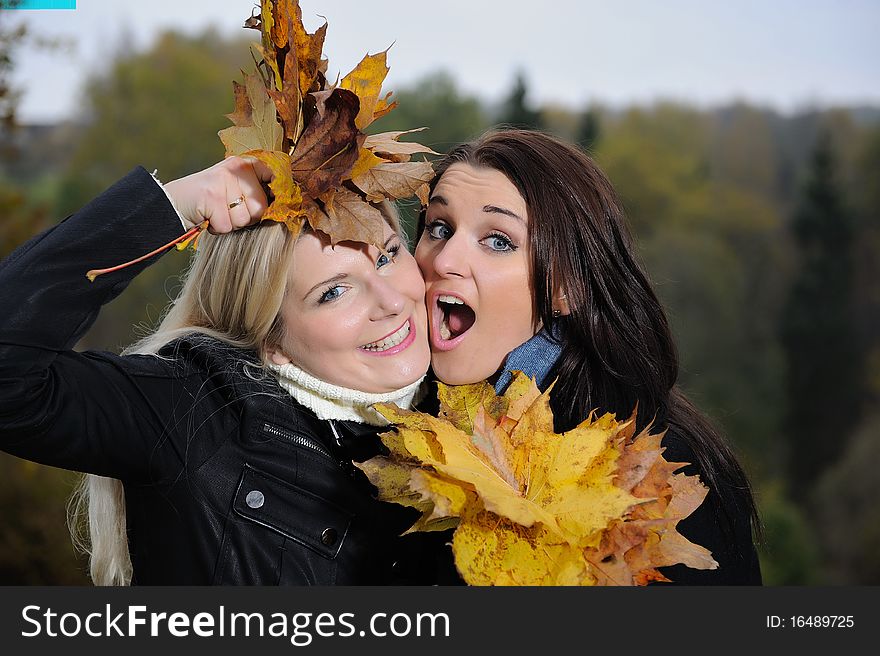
618, 353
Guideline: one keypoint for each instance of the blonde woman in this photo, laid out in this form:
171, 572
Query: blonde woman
218, 449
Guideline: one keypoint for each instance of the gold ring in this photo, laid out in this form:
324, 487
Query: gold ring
238, 201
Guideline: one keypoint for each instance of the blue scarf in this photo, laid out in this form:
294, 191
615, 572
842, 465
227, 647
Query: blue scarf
535, 358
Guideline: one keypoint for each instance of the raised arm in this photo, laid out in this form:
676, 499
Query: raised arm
94, 411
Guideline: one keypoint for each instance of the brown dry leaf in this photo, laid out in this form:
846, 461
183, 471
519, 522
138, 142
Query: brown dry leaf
242, 114
386, 145
330, 145
423, 194
351, 218
289, 48
308, 49
288, 101
595, 506
261, 130
394, 180
366, 81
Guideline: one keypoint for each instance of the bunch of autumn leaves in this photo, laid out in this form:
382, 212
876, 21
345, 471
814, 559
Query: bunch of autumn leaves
597, 505
326, 170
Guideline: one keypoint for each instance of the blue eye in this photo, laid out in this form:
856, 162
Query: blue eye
499, 243
384, 259
331, 294
438, 230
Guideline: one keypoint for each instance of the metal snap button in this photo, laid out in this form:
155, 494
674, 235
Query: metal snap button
328, 537
255, 499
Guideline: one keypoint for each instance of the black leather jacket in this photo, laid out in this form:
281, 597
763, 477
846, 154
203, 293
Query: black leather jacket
227, 479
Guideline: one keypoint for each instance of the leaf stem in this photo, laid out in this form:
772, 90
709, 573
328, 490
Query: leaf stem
94, 273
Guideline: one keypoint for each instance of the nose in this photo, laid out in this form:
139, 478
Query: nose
389, 300
450, 258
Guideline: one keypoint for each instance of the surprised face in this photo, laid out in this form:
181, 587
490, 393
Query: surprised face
474, 257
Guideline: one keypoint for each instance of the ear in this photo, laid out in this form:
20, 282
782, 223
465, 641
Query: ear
277, 356
560, 304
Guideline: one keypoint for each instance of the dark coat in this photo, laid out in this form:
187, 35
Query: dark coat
227, 479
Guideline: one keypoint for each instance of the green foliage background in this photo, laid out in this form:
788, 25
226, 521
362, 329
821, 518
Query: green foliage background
711, 195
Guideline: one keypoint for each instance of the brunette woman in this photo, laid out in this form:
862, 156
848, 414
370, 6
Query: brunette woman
529, 265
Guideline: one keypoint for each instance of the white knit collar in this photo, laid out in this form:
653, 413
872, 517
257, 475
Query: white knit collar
330, 401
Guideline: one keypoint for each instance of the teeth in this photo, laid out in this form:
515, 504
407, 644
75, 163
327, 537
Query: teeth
445, 333
390, 341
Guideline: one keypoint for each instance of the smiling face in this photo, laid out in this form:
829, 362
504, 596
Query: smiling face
354, 317
474, 257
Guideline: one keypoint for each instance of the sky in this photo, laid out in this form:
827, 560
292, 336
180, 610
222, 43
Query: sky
784, 54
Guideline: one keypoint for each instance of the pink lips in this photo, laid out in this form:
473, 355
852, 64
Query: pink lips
394, 350
437, 342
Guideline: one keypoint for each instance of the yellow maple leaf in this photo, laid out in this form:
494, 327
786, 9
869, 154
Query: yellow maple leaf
366, 160
366, 81
597, 505
287, 204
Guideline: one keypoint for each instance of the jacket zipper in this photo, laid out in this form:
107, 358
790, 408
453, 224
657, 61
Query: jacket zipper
300, 440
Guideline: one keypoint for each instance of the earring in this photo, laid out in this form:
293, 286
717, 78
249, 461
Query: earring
557, 313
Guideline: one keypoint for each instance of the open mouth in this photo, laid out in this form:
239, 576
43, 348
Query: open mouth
456, 317
393, 343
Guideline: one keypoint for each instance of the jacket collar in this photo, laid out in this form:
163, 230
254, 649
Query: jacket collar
536, 358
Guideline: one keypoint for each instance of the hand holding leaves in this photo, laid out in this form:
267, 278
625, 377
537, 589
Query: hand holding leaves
207, 195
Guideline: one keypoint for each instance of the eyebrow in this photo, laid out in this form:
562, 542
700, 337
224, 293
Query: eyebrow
336, 278
343, 276
501, 210
491, 209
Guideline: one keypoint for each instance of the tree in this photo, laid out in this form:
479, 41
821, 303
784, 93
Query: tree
435, 102
712, 248
161, 109
846, 510
823, 373
516, 113
588, 129
10, 38
866, 197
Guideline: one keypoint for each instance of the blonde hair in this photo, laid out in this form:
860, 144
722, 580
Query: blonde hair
233, 291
